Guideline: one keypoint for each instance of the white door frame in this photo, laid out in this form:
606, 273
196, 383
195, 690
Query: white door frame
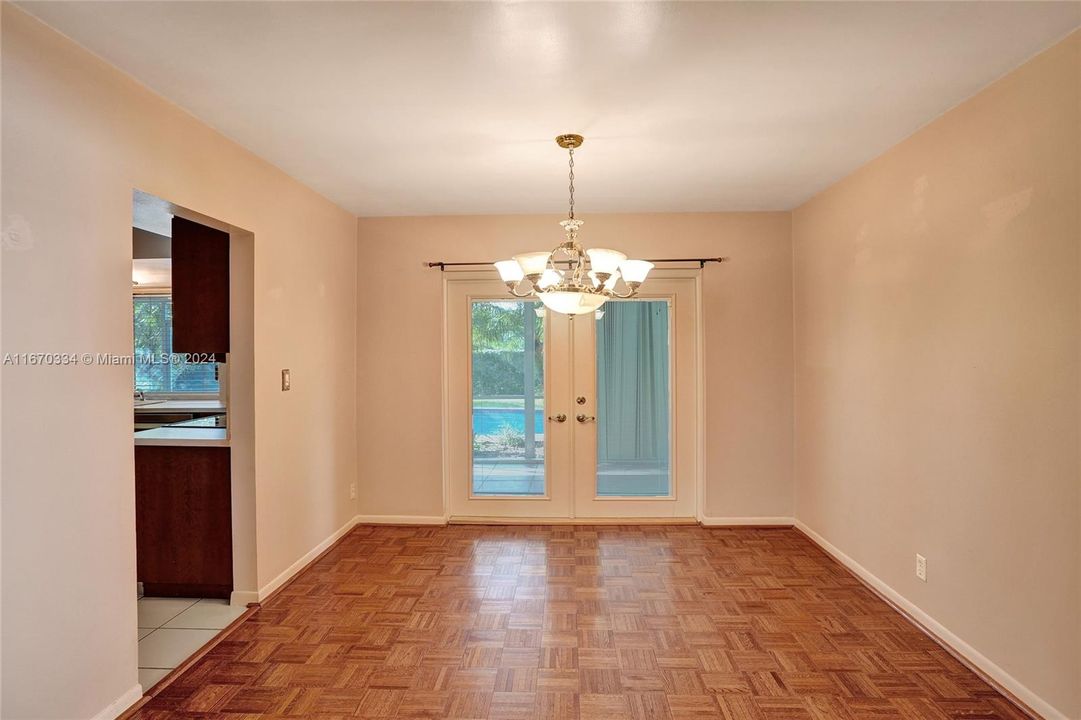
450, 281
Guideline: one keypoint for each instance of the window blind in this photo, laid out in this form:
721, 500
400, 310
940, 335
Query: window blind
157, 370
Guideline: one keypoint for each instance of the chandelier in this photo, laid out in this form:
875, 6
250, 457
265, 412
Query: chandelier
571, 280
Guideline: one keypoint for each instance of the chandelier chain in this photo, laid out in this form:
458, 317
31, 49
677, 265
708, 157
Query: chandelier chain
570, 213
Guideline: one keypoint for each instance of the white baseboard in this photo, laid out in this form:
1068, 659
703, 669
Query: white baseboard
957, 645
745, 521
117, 707
289, 572
440, 520
400, 520
504, 520
241, 598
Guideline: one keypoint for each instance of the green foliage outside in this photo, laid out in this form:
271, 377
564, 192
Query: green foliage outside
156, 368
498, 349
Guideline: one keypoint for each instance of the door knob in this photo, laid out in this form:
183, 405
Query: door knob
558, 418
584, 418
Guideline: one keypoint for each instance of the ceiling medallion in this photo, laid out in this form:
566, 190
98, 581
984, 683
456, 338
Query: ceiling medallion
570, 280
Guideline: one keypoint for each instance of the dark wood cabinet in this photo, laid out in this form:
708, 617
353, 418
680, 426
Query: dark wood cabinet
200, 259
183, 521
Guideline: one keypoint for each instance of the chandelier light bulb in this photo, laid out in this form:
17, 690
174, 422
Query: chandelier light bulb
533, 263
605, 261
635, 271
509, 271
549, 278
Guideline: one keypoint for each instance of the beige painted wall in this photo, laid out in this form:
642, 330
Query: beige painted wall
78, 136
937, 371
748, 345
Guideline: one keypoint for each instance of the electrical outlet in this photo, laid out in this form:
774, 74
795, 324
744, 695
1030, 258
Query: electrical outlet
921, 567
286, 382
352, 491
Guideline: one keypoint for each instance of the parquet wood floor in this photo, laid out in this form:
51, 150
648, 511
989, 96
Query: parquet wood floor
616, 623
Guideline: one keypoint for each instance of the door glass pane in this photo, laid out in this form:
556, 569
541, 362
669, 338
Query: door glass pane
507, 398
633, 399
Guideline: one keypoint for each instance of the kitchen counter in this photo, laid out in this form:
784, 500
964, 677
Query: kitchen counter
200, 406
194, 436
202, 430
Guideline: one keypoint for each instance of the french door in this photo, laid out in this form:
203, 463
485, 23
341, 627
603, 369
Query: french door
551, 417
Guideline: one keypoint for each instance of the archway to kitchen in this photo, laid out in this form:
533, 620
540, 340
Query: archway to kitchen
193, 376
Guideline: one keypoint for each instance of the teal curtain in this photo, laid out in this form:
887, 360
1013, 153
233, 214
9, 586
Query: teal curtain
632, 382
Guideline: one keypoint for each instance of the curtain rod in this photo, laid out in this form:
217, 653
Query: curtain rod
701, 262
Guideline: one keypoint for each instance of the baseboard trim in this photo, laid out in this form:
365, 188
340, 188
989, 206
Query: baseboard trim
243, 598
498, 520
780, 521
400, 520
286, 575
120, 706
1012, 689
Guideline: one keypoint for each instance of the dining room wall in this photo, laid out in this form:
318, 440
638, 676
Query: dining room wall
747, 337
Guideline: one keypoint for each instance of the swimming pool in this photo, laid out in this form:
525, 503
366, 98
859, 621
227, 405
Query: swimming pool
491, 421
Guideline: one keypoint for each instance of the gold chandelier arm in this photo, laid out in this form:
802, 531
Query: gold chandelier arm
515, 293
613, 293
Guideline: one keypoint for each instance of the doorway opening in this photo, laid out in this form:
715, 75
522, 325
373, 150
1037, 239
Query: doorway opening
193, 442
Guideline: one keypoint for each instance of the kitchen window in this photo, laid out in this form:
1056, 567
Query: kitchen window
157, 369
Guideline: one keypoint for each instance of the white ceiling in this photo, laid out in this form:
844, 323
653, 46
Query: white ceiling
450, 108
152, 273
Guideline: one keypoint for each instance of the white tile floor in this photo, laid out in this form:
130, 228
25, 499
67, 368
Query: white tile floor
171, 629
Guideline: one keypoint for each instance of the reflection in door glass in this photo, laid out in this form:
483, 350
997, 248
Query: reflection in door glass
508, 398
633, 399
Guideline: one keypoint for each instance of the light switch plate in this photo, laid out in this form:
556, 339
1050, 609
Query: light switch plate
285, 379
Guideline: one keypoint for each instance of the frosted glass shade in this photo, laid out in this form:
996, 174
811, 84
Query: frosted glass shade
571, 303
635, 270
509, 270
533, 263
549, 277
602, 260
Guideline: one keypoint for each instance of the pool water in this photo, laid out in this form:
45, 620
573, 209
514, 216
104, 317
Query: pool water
492, 421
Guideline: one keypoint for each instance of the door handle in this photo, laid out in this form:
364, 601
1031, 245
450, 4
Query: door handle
584, 418
558, 418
